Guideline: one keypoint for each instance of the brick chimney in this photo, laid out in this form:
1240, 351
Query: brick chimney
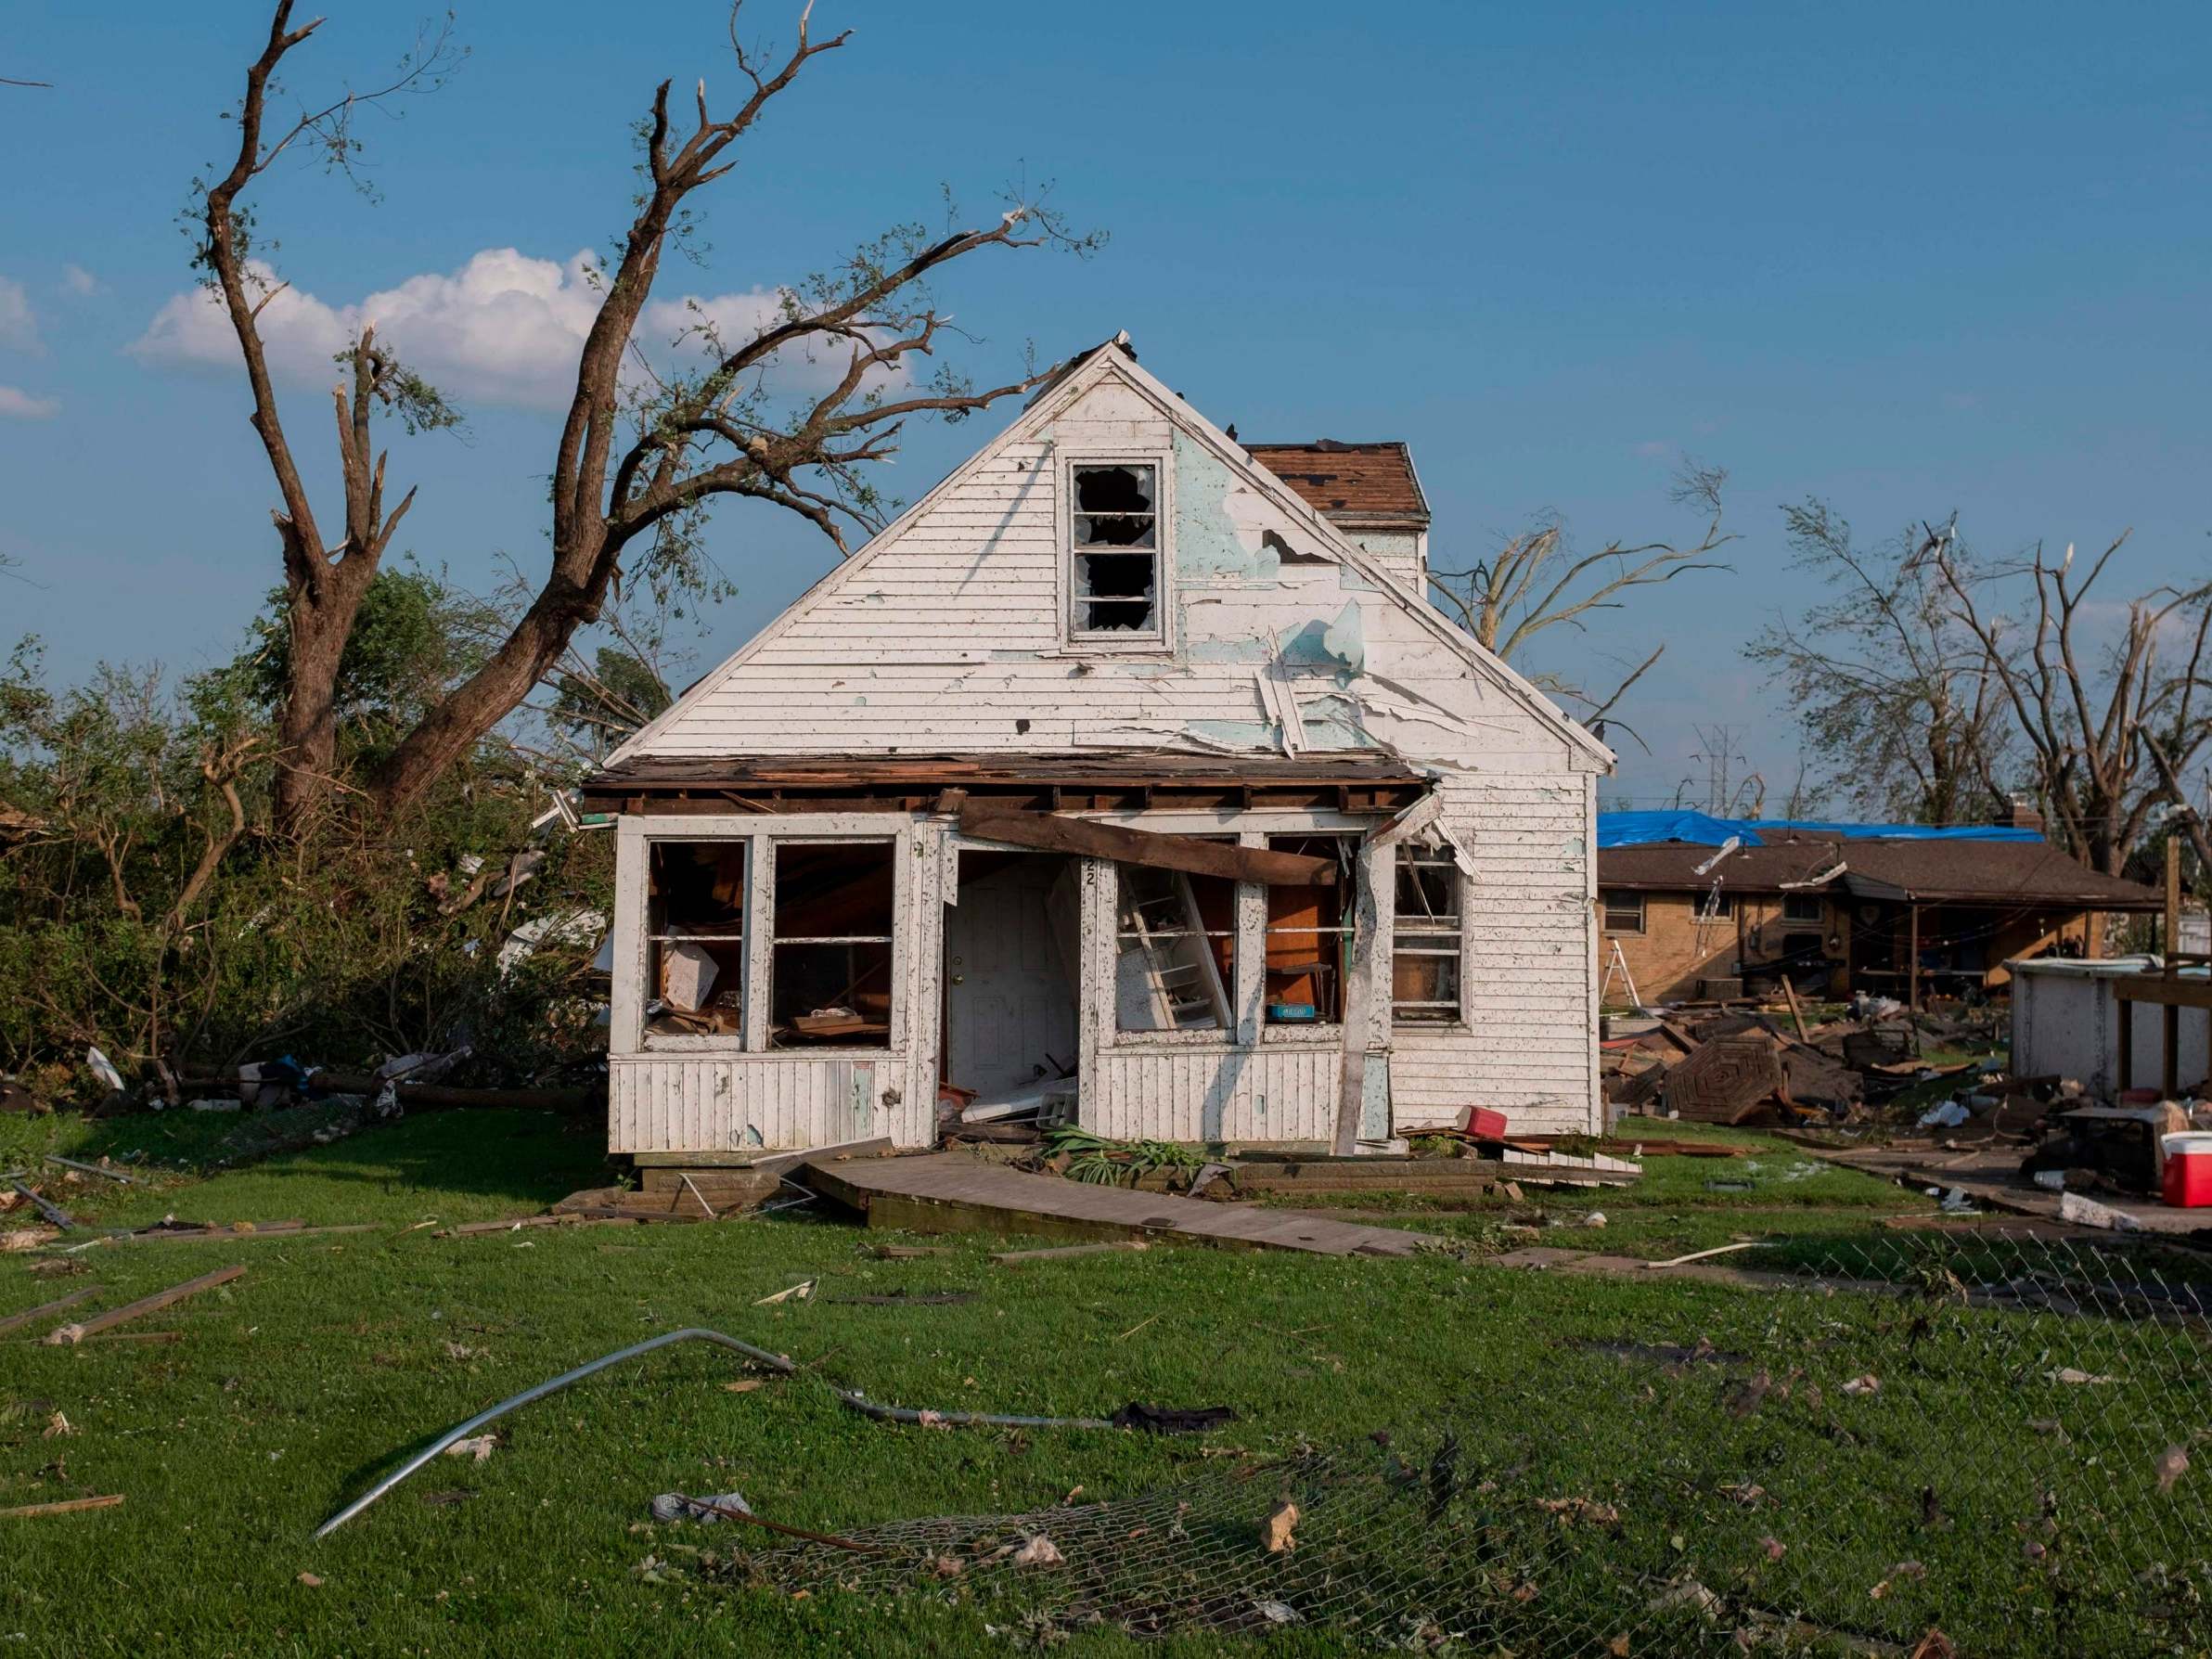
2016, 813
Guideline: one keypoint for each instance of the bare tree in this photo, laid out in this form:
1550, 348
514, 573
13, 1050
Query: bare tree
2111, 731
1895, 697
643, 454
324, 582
1537, 582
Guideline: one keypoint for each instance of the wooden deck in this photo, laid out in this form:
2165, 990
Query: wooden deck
951, 1192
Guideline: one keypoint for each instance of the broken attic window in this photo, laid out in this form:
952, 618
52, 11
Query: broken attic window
1425, 946
1309, 936
1175, 964
829, 976
1115, 528
695, 939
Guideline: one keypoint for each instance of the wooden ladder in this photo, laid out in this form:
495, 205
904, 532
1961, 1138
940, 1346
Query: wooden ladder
1184, 981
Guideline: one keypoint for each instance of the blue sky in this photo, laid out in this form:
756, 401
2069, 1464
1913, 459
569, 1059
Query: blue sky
1908, 258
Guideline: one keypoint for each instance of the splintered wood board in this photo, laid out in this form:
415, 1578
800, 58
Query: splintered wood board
948, 1193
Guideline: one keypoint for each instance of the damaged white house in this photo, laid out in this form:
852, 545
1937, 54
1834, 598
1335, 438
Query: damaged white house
1130, 765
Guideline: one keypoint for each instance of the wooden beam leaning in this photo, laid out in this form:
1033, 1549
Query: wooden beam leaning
1150, 847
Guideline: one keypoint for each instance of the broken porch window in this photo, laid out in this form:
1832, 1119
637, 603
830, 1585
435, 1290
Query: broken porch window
830, 976
1175, 968
1425, 946
1309, 936
1114, 526
695, 940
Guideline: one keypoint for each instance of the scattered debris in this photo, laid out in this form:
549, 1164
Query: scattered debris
674, 1506
310, 1580
56, 1426
1903, 1569
68, 1506
69, 1335
1699, 1256
1277, 1531
2172, 1464
1039, 1552
2067, 1373
479, 1448
1015, 1258
30, 1315
55, 1215
1171, 1419
798, 1292
2088, 1212
1868, 1384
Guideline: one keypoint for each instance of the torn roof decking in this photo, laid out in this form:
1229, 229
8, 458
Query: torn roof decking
1351, 483
1121, 781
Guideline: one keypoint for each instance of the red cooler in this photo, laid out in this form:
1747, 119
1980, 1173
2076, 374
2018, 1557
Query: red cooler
2189, 1171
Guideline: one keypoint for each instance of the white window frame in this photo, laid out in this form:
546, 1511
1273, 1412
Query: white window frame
1158, 640
1444, 857
1643, 911
635, 837
773, 846
1225, 1035
1328, 1032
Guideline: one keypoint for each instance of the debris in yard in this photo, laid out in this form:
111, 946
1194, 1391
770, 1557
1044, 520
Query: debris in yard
1869, 1383
2067, 1373
902, 1253
83, 1294
1688, 1592
1933, 1645
1039, 1552
799, 1292
310, 1580
1945, 1114
1277, 1613
479, 1448
56, 1426
674, 1506
2172, 1464
923, 1417
1277, 1531
1015, 1258
27, 1238
452, 1494
1699, 1256
1903, 1569
1170, 1419
453, 1435
905, 1299
2088, 1212
54, 1212
1667, 1353
67, 1336
744, 1385
68, 1506
1571, 1509
1595, 1218
1743, 1398
1773, 1546
104, 1069
98, 1169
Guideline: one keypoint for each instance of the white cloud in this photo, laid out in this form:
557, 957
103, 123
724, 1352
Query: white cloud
503, 328
20, 405
78, 282
18, 327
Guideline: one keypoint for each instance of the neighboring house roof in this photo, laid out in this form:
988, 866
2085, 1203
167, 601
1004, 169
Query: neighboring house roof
1365, 483
1991, 873
1637, 829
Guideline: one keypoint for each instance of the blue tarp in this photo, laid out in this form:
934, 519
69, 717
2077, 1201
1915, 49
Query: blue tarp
1641, 829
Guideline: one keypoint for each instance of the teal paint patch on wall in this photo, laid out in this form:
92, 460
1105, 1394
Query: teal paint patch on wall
1242, 733
1227, 650
1208, 547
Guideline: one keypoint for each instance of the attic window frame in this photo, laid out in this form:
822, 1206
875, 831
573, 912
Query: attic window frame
1158, 639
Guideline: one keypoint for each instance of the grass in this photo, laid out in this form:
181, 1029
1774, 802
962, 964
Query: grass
295, 1386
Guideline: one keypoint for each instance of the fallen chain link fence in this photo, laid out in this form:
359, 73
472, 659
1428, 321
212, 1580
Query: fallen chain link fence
1969, 1443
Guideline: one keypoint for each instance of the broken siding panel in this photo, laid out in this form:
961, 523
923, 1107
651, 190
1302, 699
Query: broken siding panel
1530, 996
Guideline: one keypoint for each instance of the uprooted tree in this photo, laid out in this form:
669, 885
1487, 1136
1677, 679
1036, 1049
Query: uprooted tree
643, 453
1536, 581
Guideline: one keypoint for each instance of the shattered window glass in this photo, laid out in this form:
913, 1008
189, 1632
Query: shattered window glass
830, 968
695, 940
1309, 936
1115, 526
1424, 948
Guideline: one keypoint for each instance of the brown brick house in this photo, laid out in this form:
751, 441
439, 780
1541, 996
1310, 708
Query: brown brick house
1842, 912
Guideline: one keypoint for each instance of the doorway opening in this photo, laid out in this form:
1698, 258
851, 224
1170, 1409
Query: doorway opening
1013, 961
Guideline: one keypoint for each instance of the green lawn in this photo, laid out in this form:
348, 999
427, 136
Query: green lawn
295, 1386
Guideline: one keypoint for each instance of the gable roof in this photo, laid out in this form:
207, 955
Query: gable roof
1364, 483
1063, 388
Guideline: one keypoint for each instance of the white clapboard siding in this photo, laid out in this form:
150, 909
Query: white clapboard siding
945, 634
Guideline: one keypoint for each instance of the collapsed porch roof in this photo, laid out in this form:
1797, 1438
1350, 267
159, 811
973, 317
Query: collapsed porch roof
1121, 780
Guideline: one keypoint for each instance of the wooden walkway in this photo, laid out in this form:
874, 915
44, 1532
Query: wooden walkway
952, 1192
